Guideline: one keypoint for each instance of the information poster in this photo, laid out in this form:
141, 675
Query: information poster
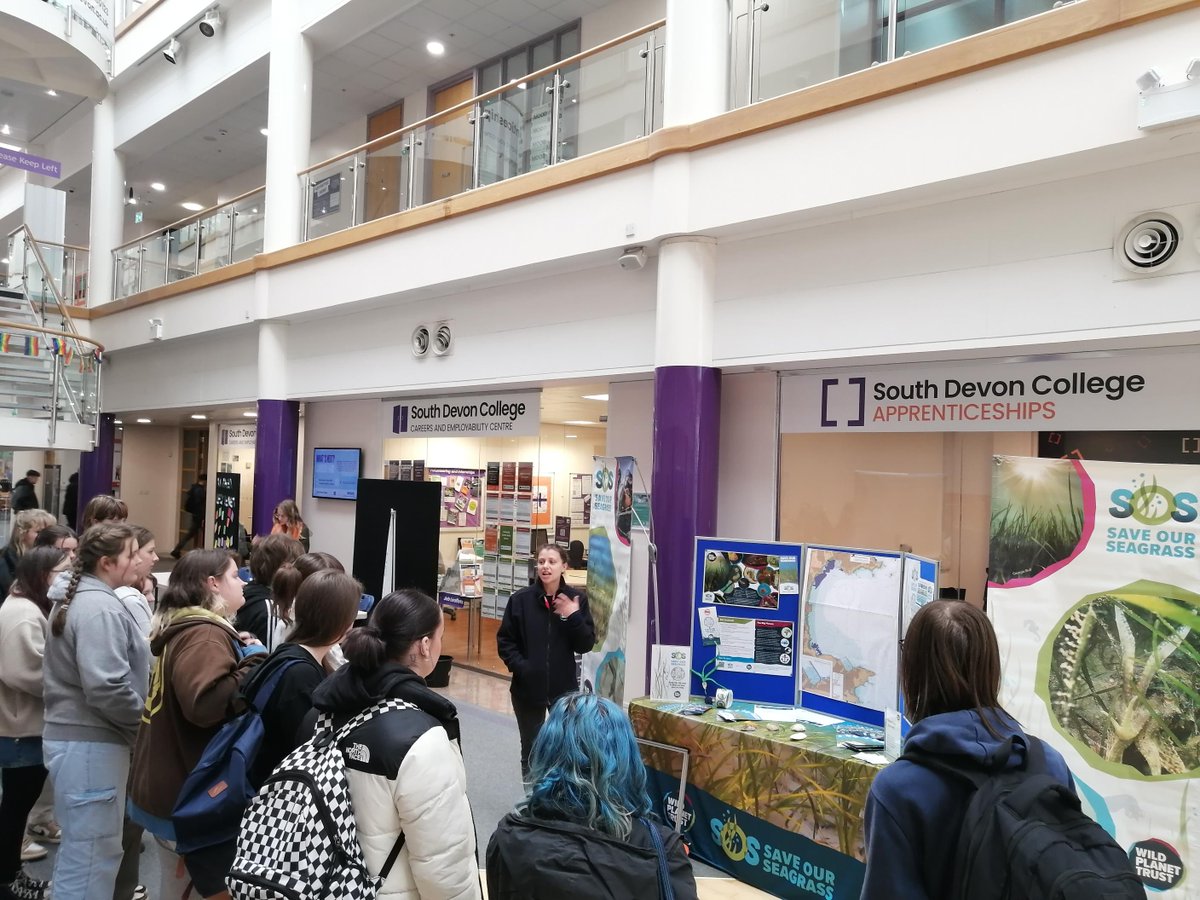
508, 477
226, 503
609, 559
1095, 595
746, 621
562, 530
462, 496
525, 478
850, 632
581, 499
920, 585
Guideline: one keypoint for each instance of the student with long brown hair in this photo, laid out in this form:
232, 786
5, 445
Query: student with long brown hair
23, 626
950, 677
202, 663
97, 665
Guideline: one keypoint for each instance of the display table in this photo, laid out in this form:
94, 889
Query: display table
784, 816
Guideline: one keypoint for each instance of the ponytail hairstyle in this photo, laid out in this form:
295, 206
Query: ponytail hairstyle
189, 585
397, 622
326, 607
97, 543
289, 577
53, 534
103, 508
34, 571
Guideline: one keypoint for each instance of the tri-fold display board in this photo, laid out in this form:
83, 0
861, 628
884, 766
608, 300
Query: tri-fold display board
805, 625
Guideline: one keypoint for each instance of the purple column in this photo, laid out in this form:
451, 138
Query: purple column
274, 459
96, 466
687, 414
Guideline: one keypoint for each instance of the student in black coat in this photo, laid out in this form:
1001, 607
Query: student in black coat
544, 626
270, 554
23, 494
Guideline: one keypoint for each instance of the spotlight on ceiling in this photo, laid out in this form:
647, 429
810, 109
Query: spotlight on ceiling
1149, 79
211, 22
435, 48
171, 51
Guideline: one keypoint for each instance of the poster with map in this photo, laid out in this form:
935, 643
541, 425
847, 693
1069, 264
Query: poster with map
849, 631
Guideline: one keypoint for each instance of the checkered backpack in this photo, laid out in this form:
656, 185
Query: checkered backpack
298, 839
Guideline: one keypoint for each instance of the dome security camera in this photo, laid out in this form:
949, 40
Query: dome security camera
171, 51
211, 22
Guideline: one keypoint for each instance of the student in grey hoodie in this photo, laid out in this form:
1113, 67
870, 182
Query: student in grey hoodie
96, 673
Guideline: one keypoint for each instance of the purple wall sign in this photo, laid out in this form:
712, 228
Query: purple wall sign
30, 163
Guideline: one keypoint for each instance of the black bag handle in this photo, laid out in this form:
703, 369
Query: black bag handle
665, 890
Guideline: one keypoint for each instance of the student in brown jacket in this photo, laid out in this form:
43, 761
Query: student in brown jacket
201, 665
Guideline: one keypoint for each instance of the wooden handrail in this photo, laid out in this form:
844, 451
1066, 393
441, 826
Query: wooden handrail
25, 326
390, 138
190, 217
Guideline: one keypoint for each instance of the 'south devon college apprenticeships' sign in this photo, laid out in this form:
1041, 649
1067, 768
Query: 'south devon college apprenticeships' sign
1145, 391
466, 415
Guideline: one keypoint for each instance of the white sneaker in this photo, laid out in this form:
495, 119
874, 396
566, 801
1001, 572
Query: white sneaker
32, 851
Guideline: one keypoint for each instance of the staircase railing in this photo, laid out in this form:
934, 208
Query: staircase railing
79, 384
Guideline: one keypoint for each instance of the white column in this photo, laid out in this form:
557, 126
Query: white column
272, 360
107, 216
289, 124
687, 286
696, 80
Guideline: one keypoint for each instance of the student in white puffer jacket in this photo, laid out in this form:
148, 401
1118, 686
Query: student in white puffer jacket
405, 767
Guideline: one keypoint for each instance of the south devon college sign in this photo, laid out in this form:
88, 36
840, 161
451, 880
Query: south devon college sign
467, 415
1109, 393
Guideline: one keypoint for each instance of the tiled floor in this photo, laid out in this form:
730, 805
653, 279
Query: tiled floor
491, 693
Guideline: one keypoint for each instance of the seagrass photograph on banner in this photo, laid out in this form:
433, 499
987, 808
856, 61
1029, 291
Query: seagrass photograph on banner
609, 560
1094, 590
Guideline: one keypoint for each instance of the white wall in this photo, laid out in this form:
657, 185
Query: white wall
341, 423
631, 422
150, 480
619, 18
749, 459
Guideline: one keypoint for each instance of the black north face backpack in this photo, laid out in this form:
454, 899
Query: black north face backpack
1025, 836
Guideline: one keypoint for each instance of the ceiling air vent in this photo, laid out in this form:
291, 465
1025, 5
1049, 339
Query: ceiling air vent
420, 341
443, 340
1150, 244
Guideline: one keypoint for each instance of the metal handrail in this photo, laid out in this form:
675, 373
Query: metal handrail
72, 333
191, 217
449, 113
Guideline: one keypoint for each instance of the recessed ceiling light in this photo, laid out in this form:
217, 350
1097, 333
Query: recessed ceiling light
145, 421
570, 437
435, 48
603, 397
263, 132
118, 422
51, 92
157, 186
199, 416
250, 415
579, 422
192, 206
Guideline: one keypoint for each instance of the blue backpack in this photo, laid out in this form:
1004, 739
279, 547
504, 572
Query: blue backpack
214, 797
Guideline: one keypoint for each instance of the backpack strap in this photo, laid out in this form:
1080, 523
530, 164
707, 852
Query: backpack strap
263, 692
665, 889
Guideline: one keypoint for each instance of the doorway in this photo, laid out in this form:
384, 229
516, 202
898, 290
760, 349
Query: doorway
450, 143
385, 182
193, 460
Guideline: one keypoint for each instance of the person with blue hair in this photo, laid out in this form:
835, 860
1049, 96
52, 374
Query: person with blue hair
584, 831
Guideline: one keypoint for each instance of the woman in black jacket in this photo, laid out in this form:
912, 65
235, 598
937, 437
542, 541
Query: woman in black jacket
544, 626
584, 831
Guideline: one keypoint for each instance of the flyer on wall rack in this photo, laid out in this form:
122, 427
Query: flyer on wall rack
1095, 594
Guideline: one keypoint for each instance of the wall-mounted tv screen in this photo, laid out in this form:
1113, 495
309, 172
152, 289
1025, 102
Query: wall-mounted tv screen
335, 472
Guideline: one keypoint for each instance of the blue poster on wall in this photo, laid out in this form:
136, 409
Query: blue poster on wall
746, 613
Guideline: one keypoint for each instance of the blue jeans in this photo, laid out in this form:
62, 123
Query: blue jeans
89, 797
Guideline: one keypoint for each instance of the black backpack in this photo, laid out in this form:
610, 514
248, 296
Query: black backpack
1025, 837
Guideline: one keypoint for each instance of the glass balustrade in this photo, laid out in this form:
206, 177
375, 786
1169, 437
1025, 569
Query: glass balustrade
210, 240
788, 45
588, 102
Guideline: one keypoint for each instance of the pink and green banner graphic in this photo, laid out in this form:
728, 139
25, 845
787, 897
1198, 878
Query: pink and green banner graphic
1095, 595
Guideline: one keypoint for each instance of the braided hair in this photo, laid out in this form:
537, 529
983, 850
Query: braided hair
97, 543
